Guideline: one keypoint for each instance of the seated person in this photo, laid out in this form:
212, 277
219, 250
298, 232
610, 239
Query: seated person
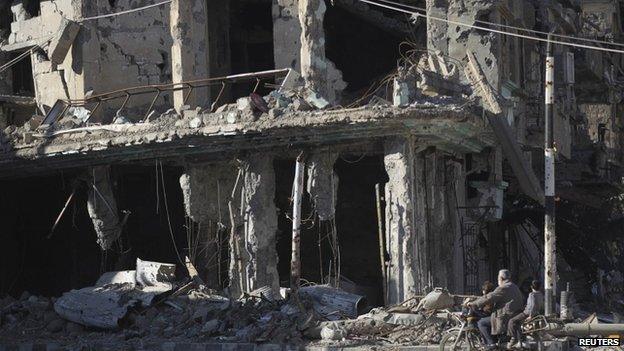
478, 313
534, 307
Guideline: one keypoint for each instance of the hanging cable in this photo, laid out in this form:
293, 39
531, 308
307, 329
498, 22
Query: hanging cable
523, 36
514, 27
125, 12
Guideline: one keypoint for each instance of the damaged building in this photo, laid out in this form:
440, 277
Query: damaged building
411, 135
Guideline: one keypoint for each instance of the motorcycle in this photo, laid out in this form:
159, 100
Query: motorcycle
464, 335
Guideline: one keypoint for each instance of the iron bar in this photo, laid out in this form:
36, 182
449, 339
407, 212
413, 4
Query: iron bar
295, 262
146, 89
382, 246
158, 91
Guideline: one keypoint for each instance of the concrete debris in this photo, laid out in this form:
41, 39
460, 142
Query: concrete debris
101, 307
155, 275
115, 293
438, 299
333, 332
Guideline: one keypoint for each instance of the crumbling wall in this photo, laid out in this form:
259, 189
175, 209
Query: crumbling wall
133, 49
50, 81
422, 219
253, 254
404, 237
108, 54
189, 51
319, 73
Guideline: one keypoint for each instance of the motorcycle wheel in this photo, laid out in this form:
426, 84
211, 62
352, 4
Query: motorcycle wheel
447, 341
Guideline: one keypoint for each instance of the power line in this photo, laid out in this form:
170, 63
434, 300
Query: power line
494, 30
516, 28
125, 12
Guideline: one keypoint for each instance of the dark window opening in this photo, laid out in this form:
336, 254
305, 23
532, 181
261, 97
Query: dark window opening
362, 51
251, 42
355, 225
33, 7
29, 261
6, 17
22, 76
71, 258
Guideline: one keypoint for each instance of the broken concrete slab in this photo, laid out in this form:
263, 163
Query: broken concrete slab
333, 303
117, 277
155, 275
101, 306
62, 42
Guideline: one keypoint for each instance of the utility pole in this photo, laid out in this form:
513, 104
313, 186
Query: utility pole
295, 262
550, 251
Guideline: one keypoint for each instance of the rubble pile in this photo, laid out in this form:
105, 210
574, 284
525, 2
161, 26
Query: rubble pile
198, 314
253, 107
190, 311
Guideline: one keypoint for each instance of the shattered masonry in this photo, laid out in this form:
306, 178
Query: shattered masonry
169, 134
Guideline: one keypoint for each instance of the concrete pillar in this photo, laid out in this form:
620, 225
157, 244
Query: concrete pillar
188, 25
258, 228
403, 233
319, 73
323, 183
437, 38
102, 207
207, 189
286, 34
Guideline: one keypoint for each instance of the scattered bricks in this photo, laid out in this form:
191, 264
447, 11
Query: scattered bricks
60, 45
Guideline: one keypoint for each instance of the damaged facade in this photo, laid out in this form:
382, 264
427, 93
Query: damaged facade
170, 134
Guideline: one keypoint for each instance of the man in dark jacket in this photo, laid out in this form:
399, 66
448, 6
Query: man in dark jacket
506, 301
